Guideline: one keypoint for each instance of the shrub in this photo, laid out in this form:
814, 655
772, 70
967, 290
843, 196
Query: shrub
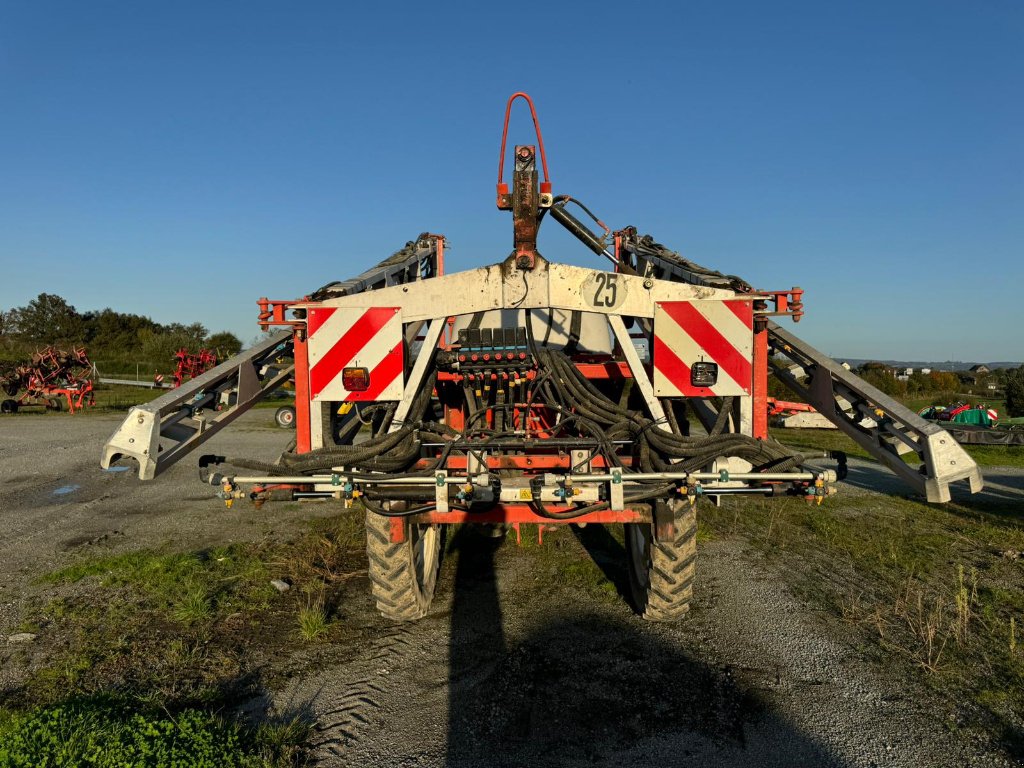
1015, 392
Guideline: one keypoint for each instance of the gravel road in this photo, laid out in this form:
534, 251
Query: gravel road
507, 670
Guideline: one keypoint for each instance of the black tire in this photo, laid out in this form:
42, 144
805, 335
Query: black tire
54, 404
661, 571
9, 406
403, 576
285, 417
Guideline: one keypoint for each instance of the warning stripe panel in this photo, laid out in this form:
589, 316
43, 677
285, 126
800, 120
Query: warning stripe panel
368, 338
688, 332
669, 361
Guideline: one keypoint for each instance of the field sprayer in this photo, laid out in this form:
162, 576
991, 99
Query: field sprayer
534, 392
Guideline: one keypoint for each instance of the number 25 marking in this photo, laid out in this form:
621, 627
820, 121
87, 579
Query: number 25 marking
607, 290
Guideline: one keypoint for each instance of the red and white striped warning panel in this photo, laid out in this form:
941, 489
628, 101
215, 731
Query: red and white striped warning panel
347, 337
690, 332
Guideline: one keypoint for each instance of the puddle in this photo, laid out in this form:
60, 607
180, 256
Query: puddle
117, 469
64, 490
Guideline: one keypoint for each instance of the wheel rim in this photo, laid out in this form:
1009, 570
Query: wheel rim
638, 539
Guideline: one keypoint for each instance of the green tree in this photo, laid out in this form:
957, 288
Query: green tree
943, 381
1015, 392
225, 344
115, 334
48, 319
161, 344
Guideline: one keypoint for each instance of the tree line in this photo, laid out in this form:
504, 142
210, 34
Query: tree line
107, 334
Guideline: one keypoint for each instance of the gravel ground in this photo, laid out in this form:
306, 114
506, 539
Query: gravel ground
507, 670
56, 503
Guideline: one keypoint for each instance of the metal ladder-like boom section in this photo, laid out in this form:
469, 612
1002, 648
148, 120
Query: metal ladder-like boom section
162, 431
883, 427
168, 428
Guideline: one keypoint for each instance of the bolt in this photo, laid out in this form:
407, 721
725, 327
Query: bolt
648, 283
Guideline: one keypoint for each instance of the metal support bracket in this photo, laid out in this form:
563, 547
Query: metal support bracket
419, 370
640, 376
441, 490
616, 497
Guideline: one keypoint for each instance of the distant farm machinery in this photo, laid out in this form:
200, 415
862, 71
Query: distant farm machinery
191, 365
51, 377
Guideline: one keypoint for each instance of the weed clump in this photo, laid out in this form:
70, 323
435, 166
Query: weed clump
110, 733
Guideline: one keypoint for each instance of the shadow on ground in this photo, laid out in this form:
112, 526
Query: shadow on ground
1001, 486
590, 690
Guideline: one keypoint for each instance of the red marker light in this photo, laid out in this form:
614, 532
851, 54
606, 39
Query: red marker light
355, 379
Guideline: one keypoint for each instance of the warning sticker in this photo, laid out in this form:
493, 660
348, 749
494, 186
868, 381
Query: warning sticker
525, 494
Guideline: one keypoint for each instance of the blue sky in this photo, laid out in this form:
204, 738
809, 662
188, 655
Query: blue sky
181, 160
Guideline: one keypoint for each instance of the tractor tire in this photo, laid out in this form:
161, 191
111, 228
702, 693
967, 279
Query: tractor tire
661, 571
285, 417
9, 406
54, 404
403, 576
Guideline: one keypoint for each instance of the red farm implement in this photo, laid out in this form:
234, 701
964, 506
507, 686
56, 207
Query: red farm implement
190, 365
51, 378
534, 392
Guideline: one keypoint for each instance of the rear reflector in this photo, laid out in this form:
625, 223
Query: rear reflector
355, 379
704, 374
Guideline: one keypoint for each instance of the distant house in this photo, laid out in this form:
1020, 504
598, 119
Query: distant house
979, 373
978, 376
925, 371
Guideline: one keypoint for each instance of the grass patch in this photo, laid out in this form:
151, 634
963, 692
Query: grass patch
941, 588
189, 586
313, 622
590, 558
117, 397
175, 632
104, 731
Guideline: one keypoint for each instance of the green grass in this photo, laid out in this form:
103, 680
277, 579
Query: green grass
191, 586
313, 623
115, 397
938, 588
173, 632
563, 559
163, 623
108, 732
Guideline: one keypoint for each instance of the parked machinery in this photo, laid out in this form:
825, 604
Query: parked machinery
189, 365
49, 379
534, 392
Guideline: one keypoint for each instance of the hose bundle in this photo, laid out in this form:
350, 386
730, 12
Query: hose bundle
582, 411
